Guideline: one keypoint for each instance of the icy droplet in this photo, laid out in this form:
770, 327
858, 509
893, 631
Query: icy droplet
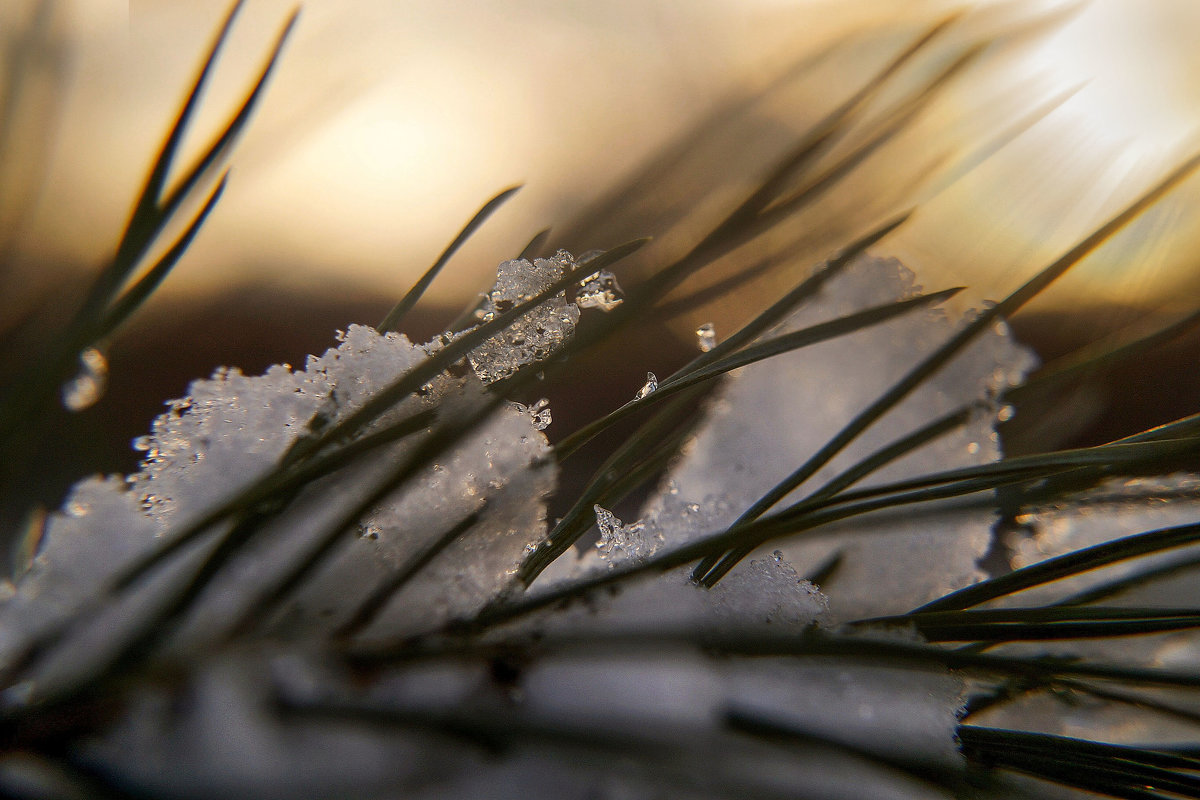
706, 337
599, 290
539, 412
88, 385
649, 387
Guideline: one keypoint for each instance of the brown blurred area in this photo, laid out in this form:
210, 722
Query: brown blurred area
389, 124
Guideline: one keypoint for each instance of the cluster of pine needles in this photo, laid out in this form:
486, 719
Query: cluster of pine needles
956, 631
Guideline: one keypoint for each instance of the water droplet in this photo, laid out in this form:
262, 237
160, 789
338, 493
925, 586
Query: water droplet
89, 383
369, 531
973, 448
599, 290
142, 443
706, 337
649, 387
1005, 413
77, 508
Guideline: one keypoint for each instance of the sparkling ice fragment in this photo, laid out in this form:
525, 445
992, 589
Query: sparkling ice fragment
539, 413
648, 389
618, 538
599, 290
536, 335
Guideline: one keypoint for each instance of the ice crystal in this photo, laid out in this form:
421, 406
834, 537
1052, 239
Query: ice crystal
599, 290
536, 335
618, 540
539, 413
648, 387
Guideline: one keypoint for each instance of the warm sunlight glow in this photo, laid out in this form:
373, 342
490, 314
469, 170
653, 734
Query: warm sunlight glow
389, 124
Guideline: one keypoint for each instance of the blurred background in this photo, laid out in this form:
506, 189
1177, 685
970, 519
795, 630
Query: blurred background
388, 124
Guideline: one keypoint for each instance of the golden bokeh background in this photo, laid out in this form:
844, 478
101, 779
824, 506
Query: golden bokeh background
389, 123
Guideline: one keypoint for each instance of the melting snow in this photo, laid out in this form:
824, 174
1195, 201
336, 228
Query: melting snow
769, 417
